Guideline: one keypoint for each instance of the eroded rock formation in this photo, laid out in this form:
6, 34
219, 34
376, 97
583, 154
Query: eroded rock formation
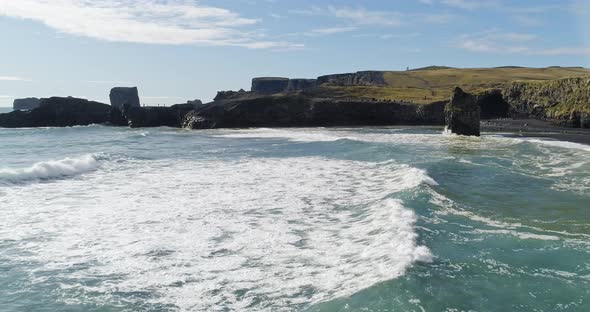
124, 98
462, 114
59, 112
300, 110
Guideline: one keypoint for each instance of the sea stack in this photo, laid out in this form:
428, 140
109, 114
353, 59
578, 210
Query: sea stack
462, 114
124, 98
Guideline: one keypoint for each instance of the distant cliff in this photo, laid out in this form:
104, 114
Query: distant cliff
362, 78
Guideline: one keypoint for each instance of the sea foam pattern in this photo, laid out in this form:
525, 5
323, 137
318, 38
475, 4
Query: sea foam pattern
254, 234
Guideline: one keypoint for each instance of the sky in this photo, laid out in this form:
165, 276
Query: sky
176, 50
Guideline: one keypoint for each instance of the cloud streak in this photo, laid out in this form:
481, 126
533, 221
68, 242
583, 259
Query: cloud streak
13, 78
173, 22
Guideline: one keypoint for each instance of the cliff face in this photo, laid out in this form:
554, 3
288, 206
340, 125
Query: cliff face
567, 101
363, 78
59, 112
462, 114
269, 85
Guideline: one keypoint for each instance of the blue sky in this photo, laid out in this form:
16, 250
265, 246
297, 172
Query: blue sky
175, 50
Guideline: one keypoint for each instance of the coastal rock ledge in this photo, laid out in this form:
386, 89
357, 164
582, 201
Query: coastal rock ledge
462, 114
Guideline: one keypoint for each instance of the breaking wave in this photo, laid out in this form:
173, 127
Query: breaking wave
50, 169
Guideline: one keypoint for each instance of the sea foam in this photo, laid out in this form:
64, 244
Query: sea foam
287, 231
50, 169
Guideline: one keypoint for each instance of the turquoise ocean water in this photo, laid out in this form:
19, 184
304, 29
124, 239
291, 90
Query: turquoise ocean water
347, 219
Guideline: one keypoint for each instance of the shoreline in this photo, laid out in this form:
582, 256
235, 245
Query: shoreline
534, 128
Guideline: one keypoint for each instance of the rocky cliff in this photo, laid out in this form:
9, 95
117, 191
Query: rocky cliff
462, 114
58, 112
363, 78
269, 85
26, 104
299, 110
566, 101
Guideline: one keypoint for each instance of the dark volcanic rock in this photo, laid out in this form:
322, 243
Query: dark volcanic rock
299, 110
493, 105
269, 85
59, 112
26, 104
462, 114
123, 98
193, 120
173, 116
363, 78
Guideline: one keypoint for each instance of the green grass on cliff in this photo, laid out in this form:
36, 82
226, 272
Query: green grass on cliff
560, 97
436, 83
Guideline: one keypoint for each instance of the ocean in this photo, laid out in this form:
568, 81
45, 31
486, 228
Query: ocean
343, 219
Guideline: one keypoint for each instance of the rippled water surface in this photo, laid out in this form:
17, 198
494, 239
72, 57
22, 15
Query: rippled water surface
361, 219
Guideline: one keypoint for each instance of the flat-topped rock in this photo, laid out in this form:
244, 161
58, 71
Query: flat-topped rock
26, 104
123, 98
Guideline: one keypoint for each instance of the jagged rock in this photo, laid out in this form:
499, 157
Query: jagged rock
300, 110
26, 104
124, 98
59, 112
363, 78
462, 114
296, 85
193, 120
269, 85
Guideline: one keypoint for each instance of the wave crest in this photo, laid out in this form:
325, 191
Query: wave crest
51, 169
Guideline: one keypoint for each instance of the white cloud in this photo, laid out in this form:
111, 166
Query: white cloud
510, 43
13, 78
471, 4
333, 30
143, 21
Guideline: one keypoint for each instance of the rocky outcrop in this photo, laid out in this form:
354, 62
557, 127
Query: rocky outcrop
225, 95
296, 85
124, 98
363, 78
299, 110
269, 85
173, 116
58, 112
26, 104
462, 114
565, 101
